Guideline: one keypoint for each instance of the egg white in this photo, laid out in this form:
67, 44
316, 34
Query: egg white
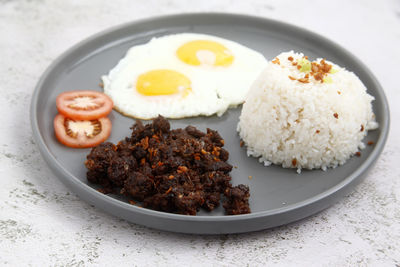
214, 88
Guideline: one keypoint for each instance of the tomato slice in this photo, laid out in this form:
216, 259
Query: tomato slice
84, 105
81, 134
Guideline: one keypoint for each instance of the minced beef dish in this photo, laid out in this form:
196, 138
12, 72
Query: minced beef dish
178, 171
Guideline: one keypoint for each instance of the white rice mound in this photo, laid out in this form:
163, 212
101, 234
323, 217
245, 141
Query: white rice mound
294, 124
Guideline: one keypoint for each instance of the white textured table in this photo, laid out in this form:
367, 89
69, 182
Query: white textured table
42, 223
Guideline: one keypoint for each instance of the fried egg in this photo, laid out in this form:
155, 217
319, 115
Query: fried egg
182, 75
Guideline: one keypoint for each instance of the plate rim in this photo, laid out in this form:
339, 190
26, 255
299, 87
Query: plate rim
65, 176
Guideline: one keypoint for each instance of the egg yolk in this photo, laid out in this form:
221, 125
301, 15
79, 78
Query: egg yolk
206, 52
162, 82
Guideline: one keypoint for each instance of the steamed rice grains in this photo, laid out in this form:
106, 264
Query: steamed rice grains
302, 114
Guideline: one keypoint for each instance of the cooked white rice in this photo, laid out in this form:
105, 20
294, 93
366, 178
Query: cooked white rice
305, 125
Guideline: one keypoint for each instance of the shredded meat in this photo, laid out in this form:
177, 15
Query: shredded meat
178, 171
237, 200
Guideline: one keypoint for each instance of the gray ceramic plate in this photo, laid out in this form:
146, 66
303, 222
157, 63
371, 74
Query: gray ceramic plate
278, 196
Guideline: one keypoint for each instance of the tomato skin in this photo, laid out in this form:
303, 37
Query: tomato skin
65, 99
82, 141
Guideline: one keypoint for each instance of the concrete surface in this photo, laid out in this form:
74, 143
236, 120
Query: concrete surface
43, 224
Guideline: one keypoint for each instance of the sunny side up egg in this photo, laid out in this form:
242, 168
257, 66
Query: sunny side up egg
182, 75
